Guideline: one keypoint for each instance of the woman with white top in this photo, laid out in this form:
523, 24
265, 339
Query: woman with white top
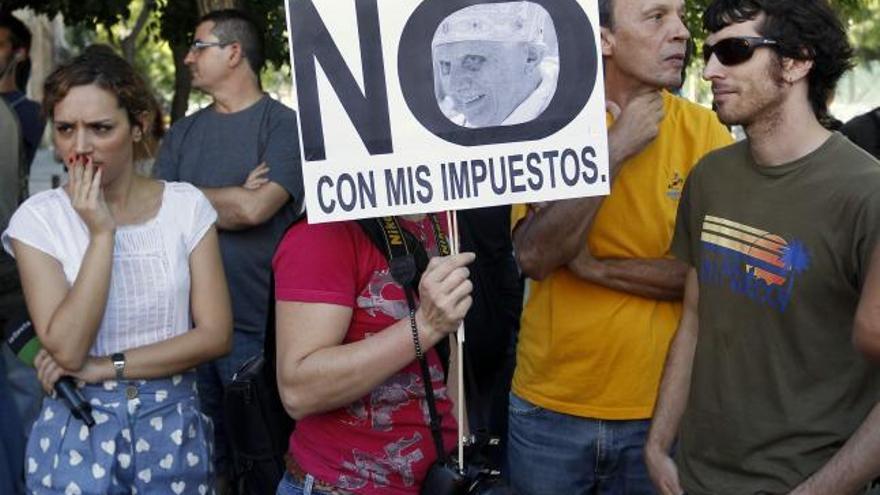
126, 291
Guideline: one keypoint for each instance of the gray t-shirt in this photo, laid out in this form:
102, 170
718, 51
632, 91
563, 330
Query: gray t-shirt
781, 252
10, 163
211, 149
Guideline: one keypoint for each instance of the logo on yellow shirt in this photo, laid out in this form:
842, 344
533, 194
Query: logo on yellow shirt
676, 184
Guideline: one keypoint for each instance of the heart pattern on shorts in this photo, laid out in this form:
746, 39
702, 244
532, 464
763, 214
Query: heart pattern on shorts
141, 446
109, 447
100, 418
97, 471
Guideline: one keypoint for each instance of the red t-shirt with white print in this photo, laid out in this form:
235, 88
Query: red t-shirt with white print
380, 444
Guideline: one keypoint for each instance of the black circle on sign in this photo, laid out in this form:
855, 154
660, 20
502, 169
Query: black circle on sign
578, 68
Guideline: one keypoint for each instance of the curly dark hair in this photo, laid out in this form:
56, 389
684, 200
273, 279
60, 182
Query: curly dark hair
804, 30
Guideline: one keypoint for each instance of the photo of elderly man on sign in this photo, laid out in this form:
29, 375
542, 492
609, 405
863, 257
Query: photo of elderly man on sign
495, 64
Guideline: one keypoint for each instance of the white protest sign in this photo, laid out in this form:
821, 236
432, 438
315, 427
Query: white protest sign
409, 106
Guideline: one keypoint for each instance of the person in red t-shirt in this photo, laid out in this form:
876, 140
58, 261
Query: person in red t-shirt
346, 359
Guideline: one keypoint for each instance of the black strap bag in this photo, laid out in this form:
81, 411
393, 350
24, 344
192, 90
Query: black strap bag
259, 427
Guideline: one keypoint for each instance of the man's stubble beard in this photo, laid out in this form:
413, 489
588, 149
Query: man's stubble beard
764, 115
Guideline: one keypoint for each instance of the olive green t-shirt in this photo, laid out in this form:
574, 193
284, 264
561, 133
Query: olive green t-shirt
777, 386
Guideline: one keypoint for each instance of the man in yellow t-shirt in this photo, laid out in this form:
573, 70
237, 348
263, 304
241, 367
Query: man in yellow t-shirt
605, 294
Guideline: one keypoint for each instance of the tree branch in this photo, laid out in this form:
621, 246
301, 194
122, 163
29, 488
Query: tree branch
129, 43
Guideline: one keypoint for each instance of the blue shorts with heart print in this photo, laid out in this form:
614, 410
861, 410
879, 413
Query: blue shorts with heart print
149, 437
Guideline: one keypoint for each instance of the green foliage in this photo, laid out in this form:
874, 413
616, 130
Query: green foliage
151, 55
177, 21
177, 18
864, 31
87, 12
271, 14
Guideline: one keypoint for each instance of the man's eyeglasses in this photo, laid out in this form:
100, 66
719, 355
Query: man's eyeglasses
199, 45
733, 51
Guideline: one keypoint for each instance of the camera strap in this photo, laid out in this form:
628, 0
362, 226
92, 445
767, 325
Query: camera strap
403, 269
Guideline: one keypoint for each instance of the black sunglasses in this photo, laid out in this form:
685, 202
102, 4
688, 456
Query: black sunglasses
733, 51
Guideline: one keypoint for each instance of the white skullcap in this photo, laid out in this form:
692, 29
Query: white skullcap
508, 21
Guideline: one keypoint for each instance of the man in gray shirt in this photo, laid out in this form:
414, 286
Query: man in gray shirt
243, 153
10, 160
11, 301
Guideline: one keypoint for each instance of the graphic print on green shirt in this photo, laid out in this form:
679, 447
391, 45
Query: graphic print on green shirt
751, 261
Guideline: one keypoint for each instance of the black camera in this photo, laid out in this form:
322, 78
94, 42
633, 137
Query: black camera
478, 476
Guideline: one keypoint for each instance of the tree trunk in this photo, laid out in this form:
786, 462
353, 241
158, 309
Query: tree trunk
129, 43
182, 82
206, 6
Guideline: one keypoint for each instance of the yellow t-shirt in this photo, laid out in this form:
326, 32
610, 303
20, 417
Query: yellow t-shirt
595, 352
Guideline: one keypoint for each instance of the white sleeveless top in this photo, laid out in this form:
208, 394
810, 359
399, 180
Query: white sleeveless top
149, 282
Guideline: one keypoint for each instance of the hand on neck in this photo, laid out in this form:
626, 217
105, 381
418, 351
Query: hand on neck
621, 89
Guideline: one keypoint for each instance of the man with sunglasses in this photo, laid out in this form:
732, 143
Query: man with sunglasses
768, 385
242, 151
604, 298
